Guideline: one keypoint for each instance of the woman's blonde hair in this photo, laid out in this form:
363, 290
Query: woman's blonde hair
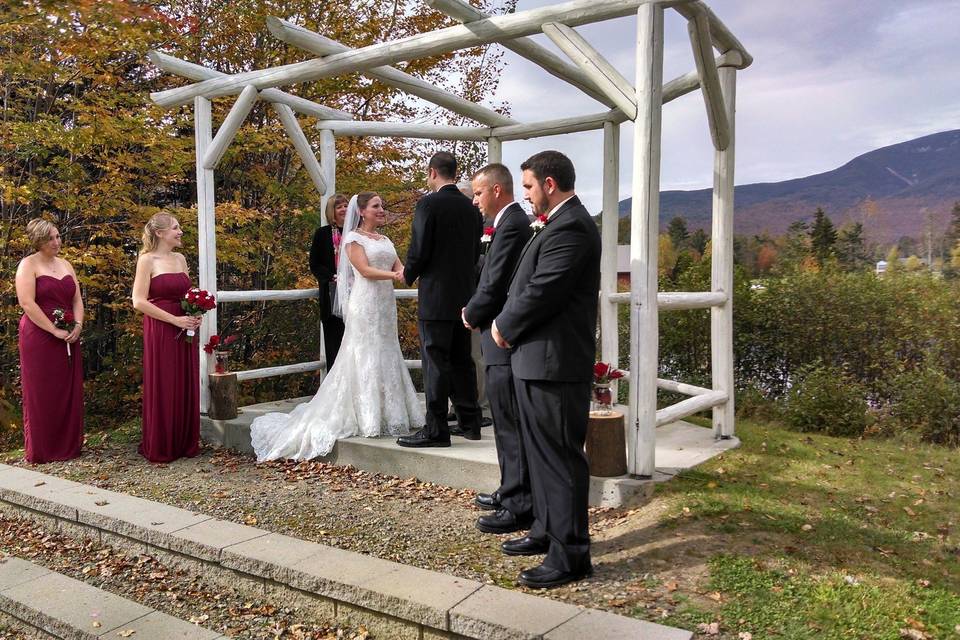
39, 231
332, 204
158, 222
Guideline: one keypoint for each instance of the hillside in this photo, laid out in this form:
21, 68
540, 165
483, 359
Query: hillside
892, 190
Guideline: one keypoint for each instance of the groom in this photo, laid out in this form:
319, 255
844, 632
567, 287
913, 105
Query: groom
549, 322
443, 254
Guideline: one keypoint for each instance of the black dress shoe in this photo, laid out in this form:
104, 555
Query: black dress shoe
488, 501
502, 521
525, 546
485, 421
451, 417
422, 439
546, 578
469, 434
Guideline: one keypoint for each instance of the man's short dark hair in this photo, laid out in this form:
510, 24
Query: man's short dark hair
551, 164
445, 164
496, 173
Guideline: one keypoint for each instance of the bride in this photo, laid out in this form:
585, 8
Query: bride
368, 390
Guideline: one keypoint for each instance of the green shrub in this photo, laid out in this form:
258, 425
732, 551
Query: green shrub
827, 399
926, 401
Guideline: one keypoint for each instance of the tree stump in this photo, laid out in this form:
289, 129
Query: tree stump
606, 446
223, 396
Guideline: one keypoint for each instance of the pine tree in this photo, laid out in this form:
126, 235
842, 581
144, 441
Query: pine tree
953, 231
851, 249
677, 230
698, 241
823, 237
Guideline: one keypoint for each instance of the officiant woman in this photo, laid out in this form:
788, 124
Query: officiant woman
324, 256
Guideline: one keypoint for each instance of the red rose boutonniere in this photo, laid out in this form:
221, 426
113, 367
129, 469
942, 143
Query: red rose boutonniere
539, 223
486, 239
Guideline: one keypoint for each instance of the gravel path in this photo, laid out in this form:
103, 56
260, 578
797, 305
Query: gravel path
403, 520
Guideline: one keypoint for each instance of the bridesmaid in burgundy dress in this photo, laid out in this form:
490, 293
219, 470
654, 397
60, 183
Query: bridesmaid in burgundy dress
52, 381
171, 365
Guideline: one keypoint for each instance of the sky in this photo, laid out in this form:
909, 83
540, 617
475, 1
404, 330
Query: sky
830, 80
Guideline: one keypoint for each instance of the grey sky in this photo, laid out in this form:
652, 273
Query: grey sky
830, 80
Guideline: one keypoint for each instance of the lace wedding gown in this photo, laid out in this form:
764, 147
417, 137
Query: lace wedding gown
367, 392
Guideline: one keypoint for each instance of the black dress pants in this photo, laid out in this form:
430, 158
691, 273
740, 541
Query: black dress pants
553, 424
448, 372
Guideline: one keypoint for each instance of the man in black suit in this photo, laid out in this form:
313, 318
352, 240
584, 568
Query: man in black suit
443, 254
513, 505
549, 322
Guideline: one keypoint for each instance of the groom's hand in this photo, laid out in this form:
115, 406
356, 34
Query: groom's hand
495, 334
463, 316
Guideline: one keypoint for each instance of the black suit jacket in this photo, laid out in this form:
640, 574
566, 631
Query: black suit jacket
499, 263
323, 267
443, 253
550, 317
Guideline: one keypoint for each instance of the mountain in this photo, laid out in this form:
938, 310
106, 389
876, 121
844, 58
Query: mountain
893, 190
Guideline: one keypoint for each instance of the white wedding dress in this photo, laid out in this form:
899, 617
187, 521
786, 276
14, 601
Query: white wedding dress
368, 391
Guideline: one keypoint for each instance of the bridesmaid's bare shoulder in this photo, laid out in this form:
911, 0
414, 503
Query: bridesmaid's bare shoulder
27, 266
182, 261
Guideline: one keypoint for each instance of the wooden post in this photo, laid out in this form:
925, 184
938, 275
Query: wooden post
206, 238
229, 127
494, 150
721, 276
644, 230
609, 347
223, 396
604, 445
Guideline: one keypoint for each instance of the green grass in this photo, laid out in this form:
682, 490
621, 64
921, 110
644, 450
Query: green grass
820, 537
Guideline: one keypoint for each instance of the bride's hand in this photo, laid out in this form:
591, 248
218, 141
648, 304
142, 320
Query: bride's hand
398, 276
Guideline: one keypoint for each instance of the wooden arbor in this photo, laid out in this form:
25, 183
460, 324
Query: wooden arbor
586, 69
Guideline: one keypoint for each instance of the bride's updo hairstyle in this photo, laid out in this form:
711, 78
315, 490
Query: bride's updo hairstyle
363, 199
159, 222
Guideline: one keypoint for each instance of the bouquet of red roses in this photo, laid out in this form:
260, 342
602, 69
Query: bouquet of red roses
604, 373
215, 344
64, 320
197, 302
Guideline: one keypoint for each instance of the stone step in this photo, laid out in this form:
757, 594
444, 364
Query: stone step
393, 600
62, 607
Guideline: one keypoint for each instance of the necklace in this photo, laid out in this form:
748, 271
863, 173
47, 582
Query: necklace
369, 234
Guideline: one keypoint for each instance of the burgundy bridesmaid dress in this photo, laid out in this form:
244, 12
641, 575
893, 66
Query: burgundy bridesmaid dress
52, 381
171, 378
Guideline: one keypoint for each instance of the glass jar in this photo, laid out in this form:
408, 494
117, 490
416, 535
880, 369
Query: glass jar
221, 362
602, 403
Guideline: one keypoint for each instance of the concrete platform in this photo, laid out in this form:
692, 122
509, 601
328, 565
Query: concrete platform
473, 464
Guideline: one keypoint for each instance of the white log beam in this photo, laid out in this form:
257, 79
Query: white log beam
722, 37
595, 66
404, 130
284, 370
690, 406
328, 165
206, 237
559, 126
302, 145
679, 300
264, 295
193, 71
231, 124
494, 150
609, 324
699, 29
644, 234
689, 82
315, 43
495, 29
721, 276
681, 387
527, 48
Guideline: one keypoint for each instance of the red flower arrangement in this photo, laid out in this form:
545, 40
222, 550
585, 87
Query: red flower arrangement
216, 344
604, 373
487, 238
64, 320
197, 302
539, 223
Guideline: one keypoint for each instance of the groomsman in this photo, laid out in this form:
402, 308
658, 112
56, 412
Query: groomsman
549, 322
443, 254
512, 503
